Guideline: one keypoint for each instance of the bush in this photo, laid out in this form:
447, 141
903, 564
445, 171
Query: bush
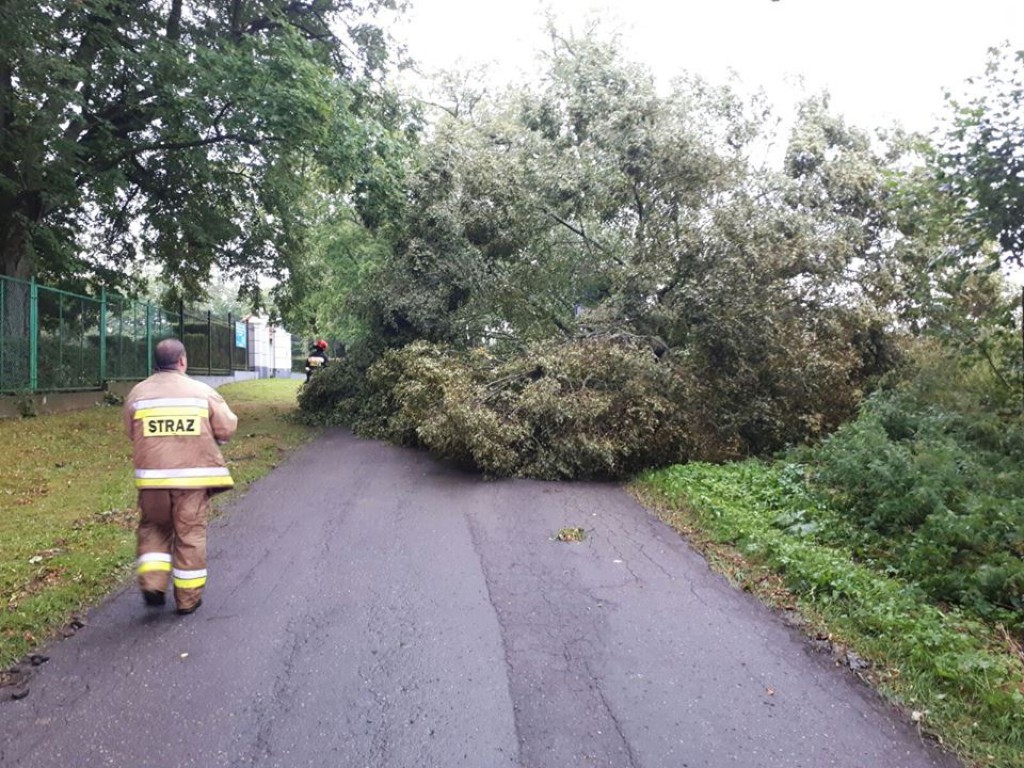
594, 408
585, 409
929, 484
891, 486
335, 394
603, 406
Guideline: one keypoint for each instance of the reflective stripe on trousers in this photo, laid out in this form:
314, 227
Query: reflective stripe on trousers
153, 561
189, 579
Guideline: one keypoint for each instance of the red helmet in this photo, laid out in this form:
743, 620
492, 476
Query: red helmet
321, 344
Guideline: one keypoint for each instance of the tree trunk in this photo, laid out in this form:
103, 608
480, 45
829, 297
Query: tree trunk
14, 256
12, 230
174, 21
237, 6
15, 326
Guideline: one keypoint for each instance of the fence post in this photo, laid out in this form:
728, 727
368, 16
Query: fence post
181, 321
103, 334
33, 336
231, 346
3, 324
149, 337
209, 342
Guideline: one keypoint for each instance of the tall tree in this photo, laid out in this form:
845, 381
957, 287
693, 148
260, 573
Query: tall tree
177, 133
981, 163
963, 216
593, 204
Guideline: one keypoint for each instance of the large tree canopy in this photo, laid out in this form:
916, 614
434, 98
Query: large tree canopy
179, 134
593, 205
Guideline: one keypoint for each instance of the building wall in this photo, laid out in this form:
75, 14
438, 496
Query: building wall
270, 349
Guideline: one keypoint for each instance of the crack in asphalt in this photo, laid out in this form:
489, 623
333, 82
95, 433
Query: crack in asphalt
622, 556
617, 525
619, 730
379, 678
503, 633
378, 741
377, 675
696, 595
258, 562
643, 552
376, 679
302, 633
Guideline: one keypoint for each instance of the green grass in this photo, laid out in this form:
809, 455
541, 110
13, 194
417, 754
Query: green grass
961, 679
67, 504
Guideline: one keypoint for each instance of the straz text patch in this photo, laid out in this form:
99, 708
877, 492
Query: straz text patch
154, 426
172, 421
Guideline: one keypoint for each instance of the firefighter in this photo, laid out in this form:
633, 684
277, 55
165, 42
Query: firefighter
176, 425
317, 358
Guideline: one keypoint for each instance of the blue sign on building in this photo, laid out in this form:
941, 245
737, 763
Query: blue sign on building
240, 335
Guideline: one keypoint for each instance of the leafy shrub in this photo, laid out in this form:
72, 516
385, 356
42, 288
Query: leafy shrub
974, 557
771, 382
600, 406
597, 408
409, 386
928, 482
892, 486
25, 404
335, 394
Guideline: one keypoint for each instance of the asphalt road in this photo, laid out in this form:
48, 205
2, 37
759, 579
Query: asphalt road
369, 607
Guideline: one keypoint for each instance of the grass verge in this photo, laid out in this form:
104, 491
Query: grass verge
959, 679
67, 504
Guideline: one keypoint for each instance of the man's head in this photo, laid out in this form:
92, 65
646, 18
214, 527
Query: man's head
170, 356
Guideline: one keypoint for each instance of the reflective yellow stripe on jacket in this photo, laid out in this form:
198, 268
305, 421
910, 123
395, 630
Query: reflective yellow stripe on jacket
169, 402
192, 477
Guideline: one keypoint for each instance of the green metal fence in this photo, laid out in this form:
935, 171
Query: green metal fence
52, 340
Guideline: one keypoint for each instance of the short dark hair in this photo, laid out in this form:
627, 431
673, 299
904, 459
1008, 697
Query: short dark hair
167, 353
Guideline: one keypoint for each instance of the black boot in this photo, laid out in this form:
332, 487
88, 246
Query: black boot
193, 609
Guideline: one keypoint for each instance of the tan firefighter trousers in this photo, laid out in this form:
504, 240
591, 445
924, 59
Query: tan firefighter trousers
171, 542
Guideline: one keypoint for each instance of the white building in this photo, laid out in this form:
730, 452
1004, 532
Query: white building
270, 348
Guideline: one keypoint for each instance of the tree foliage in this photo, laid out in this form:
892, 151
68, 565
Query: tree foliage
928, 483
592, 205
959, 217
981, 164
179, 133
558, 410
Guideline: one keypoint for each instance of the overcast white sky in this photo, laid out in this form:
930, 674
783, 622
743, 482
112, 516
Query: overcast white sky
882, 60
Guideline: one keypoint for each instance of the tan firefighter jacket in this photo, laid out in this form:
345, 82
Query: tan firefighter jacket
176, 424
